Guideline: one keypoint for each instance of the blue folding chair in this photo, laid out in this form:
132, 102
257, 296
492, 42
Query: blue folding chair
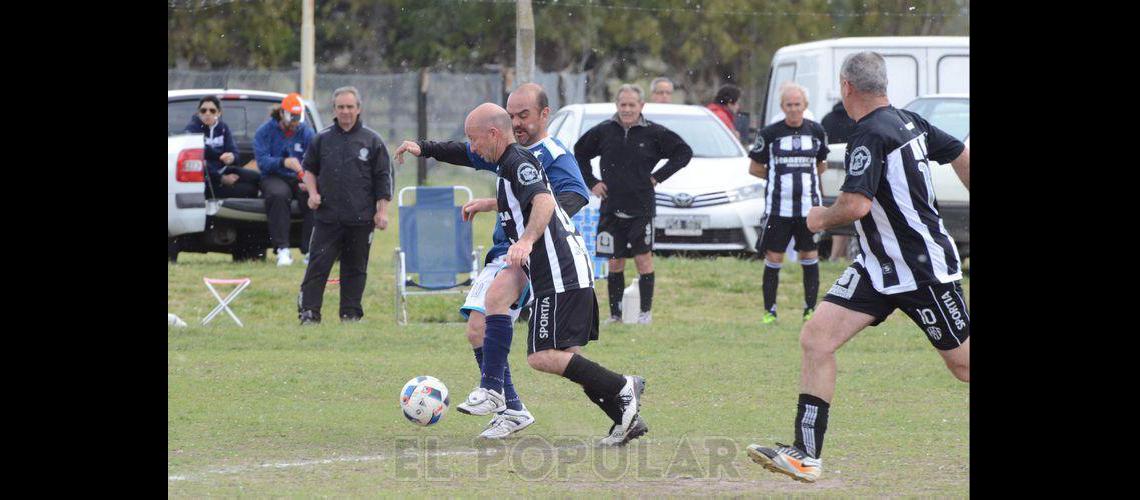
435, 245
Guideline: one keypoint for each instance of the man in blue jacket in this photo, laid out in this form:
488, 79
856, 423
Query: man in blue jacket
279, 146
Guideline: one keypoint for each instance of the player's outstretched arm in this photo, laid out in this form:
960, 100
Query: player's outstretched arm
848, 208
408, 146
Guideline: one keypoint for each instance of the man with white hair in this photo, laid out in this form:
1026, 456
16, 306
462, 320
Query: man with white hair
791, 155
907, 260
661, 90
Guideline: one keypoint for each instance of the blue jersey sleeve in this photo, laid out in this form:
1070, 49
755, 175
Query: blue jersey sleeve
565, 176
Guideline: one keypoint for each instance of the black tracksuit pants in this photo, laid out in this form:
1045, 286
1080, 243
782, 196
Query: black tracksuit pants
351, 244
278, 193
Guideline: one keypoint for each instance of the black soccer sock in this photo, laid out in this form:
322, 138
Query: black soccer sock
616, 283
771, 281
593, 377
608, 404
645, 288
811, 423
479, 358
811, 282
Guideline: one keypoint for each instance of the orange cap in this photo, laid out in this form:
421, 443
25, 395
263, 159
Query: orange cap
292, 104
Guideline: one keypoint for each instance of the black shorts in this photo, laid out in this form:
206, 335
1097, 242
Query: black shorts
778, 231
938, 309
562, 320
620, 238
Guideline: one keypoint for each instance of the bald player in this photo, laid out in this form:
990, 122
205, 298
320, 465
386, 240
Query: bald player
529, 110
550, 251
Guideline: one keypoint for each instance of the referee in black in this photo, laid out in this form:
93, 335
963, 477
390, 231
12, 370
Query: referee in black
349, 180
630, 146
907, 260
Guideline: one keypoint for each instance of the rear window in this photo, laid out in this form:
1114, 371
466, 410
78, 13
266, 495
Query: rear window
243, 116
701, 132
950, 115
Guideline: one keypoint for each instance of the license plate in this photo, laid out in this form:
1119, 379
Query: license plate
683, 225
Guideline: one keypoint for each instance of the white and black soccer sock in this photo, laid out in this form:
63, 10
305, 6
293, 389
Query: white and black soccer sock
811, 424
811, 282
607, 402
771, 282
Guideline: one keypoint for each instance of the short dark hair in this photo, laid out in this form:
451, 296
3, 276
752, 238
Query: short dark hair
211, 98
542, 100
728, 94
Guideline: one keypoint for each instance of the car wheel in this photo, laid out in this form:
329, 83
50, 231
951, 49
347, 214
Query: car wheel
247, 253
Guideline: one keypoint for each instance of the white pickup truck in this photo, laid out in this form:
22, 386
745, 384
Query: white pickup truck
237, 226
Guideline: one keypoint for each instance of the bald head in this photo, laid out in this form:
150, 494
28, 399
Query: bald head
488, 128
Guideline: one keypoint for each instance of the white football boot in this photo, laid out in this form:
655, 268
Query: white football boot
483, 402
508, 422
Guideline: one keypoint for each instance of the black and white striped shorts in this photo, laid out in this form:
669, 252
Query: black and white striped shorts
562, 320
939, 309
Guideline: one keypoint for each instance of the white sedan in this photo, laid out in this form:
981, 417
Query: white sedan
711, 205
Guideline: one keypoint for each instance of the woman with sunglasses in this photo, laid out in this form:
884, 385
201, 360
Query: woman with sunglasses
222, 180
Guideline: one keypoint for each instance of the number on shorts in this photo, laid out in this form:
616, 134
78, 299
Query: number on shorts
928, 317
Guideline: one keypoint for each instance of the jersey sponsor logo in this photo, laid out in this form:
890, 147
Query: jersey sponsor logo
844, 287
528, 174
216, 141
363, 155
537, 154
955, 312
605, 242
504, 216
544, 317
860, 160
934, 332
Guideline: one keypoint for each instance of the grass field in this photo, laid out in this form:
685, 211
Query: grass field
274, 409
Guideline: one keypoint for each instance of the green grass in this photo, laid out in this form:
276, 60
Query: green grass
275, 409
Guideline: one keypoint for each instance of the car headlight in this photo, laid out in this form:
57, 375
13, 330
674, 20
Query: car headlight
746, 193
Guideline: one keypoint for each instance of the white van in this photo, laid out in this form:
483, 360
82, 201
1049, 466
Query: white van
916, 65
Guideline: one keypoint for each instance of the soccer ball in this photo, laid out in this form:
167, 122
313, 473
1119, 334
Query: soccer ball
424, 400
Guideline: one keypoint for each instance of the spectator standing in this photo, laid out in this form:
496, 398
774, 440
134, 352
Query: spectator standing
222, 181
725, 106
278, 146
349, 182
661, 90
630, 146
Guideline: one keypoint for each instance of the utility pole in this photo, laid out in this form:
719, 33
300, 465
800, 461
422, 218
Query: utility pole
524, 43
308, 43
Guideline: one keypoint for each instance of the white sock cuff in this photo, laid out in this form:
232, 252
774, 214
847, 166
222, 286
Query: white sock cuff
809, 262
773, 265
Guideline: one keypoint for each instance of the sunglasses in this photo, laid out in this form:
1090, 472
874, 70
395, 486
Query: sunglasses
208, 111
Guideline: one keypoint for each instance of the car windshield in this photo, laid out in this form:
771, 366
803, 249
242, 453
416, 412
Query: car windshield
701, 132
951, 114
243, 116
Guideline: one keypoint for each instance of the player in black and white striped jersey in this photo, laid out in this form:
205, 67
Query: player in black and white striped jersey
907, 260
553, 256
791, 154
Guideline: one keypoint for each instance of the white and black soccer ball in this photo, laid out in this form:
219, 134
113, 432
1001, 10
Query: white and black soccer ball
424, 400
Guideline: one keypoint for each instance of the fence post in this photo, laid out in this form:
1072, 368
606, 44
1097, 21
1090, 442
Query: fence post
421, 125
